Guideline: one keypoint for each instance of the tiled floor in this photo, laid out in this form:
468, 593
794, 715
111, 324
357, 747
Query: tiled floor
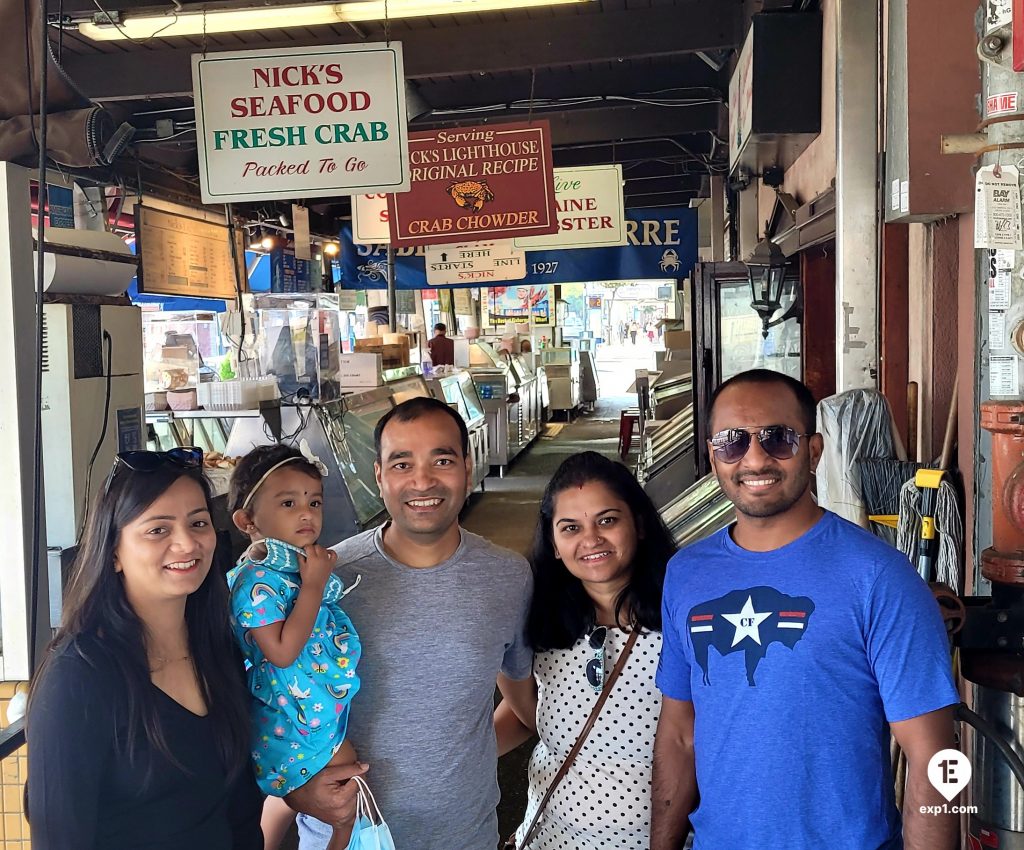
13, 773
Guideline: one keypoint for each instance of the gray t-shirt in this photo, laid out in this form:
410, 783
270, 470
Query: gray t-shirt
434, 641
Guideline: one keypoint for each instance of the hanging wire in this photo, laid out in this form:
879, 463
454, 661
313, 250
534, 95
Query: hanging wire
387, 25
533, 84
110, 20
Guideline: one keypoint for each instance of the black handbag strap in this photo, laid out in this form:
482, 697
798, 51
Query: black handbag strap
587, 727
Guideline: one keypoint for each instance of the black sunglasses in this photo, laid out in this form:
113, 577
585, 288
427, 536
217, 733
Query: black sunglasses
595, 666
187, 457
779, 441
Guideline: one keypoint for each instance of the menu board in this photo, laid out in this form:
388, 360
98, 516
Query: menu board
186, 256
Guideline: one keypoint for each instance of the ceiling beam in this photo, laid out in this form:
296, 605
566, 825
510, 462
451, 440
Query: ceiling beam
477, 48
603, 124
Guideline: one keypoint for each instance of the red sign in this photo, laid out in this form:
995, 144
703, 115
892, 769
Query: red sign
476, 183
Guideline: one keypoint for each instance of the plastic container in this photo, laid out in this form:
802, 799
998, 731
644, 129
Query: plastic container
241, 394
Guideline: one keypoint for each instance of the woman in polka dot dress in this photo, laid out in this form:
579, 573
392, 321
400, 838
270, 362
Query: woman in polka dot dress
599, 557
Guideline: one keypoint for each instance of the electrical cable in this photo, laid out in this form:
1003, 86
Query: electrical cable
229, 213
124, 32
103, 433
989, 731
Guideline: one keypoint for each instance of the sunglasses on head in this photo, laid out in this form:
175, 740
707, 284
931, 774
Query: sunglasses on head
778, 441
187, 457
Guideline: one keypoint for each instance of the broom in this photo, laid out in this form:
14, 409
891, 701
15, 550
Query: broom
881, 483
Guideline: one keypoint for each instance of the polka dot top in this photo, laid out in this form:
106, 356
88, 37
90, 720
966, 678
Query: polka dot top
603, 803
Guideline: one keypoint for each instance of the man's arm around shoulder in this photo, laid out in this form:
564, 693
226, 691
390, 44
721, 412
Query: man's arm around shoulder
674, 787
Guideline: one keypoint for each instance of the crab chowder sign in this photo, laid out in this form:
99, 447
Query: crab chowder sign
307, 122
476, 184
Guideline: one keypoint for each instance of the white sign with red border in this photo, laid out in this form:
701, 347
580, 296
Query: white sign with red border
591, 212
370, 220
309, 122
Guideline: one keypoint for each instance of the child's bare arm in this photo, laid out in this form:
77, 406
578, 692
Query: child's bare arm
282, 642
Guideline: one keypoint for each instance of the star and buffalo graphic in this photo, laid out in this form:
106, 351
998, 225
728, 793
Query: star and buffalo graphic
747, 621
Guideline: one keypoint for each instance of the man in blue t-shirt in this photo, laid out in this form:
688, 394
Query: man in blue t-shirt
794, 642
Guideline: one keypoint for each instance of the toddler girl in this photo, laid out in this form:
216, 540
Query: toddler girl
300, 647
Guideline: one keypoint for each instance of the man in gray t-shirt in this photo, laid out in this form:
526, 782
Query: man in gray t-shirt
441, 615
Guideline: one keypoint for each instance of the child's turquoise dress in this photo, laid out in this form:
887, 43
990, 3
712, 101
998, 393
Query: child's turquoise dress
299, 713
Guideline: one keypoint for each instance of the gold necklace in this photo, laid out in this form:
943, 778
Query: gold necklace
163, 662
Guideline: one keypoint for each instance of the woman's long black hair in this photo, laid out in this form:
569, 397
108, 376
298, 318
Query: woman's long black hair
98, 619
561, 611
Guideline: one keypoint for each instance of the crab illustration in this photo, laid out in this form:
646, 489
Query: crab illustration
670, 261
471, 194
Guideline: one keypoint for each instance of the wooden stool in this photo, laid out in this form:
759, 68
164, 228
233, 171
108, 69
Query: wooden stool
629, 418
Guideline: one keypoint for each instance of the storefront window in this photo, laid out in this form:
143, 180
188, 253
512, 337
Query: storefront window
743, 347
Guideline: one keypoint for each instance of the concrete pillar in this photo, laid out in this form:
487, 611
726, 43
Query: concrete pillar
18, 364
857, 255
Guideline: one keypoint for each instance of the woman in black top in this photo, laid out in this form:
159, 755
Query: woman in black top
137, 724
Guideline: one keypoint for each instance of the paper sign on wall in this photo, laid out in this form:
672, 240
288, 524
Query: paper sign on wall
996, 330
307, 122
1004, 375
997, 214
1000, 275
998, 13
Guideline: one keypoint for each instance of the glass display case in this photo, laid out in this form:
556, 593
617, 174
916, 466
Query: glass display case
179, 347
512, 399
300, 346
671, 389
666, 464
340, 433
459, 391
406, 382
698, 512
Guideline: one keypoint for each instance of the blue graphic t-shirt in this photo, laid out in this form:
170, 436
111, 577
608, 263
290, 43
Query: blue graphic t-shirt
796, 660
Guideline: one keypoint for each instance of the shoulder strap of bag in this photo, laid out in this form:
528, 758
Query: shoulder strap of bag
564, 769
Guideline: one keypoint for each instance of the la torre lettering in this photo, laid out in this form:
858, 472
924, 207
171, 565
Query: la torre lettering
652, 232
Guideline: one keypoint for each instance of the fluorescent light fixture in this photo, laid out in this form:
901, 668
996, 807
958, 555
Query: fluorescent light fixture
217, 21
